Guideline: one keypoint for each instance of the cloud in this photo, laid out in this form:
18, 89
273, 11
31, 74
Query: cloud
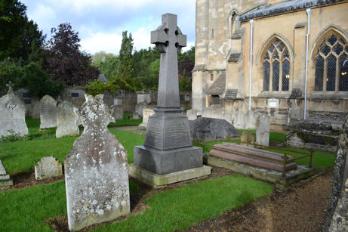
100, 22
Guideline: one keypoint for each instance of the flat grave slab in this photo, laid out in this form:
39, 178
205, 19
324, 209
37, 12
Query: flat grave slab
260, 164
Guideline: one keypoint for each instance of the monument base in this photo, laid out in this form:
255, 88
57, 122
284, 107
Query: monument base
168, 161
156, 180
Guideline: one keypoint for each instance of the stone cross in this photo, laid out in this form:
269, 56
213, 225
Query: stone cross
169, 39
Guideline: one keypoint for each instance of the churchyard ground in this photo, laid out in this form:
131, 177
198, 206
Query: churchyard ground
42, 206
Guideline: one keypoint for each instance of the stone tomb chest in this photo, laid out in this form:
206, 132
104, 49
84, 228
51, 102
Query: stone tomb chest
260, 164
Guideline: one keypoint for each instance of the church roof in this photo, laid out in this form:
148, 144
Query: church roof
285, 7
218, 87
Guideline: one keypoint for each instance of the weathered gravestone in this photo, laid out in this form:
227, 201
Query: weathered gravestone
168, 155
262, 130
5, 180
48, 167
339, 222
96, 171
67, 120
12, 116
48, 112
147, 113
336, 217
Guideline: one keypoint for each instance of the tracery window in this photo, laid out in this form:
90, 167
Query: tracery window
276, 67
331, 64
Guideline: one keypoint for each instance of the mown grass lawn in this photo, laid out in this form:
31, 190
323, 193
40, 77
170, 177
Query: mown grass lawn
29, 209
21, 155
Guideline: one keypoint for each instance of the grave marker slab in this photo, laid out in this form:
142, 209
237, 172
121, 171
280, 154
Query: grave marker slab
48, 167
67, 120
262, 130
48, 112
96, 171
12, 116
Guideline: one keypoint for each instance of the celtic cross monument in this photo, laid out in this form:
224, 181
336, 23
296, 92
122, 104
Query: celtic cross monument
168, 144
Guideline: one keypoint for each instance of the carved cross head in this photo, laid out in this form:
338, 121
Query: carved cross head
168, 35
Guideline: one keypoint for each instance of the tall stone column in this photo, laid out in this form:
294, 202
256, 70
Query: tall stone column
168, 143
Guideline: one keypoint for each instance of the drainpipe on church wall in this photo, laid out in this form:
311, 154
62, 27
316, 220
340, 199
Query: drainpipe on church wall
251, 55
309, 12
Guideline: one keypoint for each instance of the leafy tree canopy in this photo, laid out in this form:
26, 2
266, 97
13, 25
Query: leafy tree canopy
64, 61
20, 37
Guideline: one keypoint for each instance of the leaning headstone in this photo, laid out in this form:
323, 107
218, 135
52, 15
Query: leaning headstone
96, 171
5, 180
48, 112
67, 120
12, 116
48, 167
340, 175
168, 155
262, 130
212, 129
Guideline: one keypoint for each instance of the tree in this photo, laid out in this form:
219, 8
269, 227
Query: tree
38, 82
20, 37
9, 72
106, 63
186, 63
64, 61
125, 72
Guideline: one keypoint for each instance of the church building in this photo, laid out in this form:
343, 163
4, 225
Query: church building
285, 58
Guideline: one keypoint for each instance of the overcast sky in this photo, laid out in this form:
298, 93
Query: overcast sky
100, 22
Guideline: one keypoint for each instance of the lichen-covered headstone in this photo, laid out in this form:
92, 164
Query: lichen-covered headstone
96, 171
339, 222
12, 116
67, 120
338, 195
262, 130
48, 112
48, 167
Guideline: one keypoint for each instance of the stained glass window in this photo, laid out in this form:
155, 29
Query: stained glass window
331, 64
276, 67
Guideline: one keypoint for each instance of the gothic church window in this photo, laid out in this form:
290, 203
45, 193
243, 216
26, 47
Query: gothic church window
331, 64
276, 67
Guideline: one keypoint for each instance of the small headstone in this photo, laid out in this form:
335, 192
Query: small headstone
67, 120
117, 112
96, 171
143, 98
212, 129
262, 130
12, 116
48, 112
48, 167
4, 178
147, 113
